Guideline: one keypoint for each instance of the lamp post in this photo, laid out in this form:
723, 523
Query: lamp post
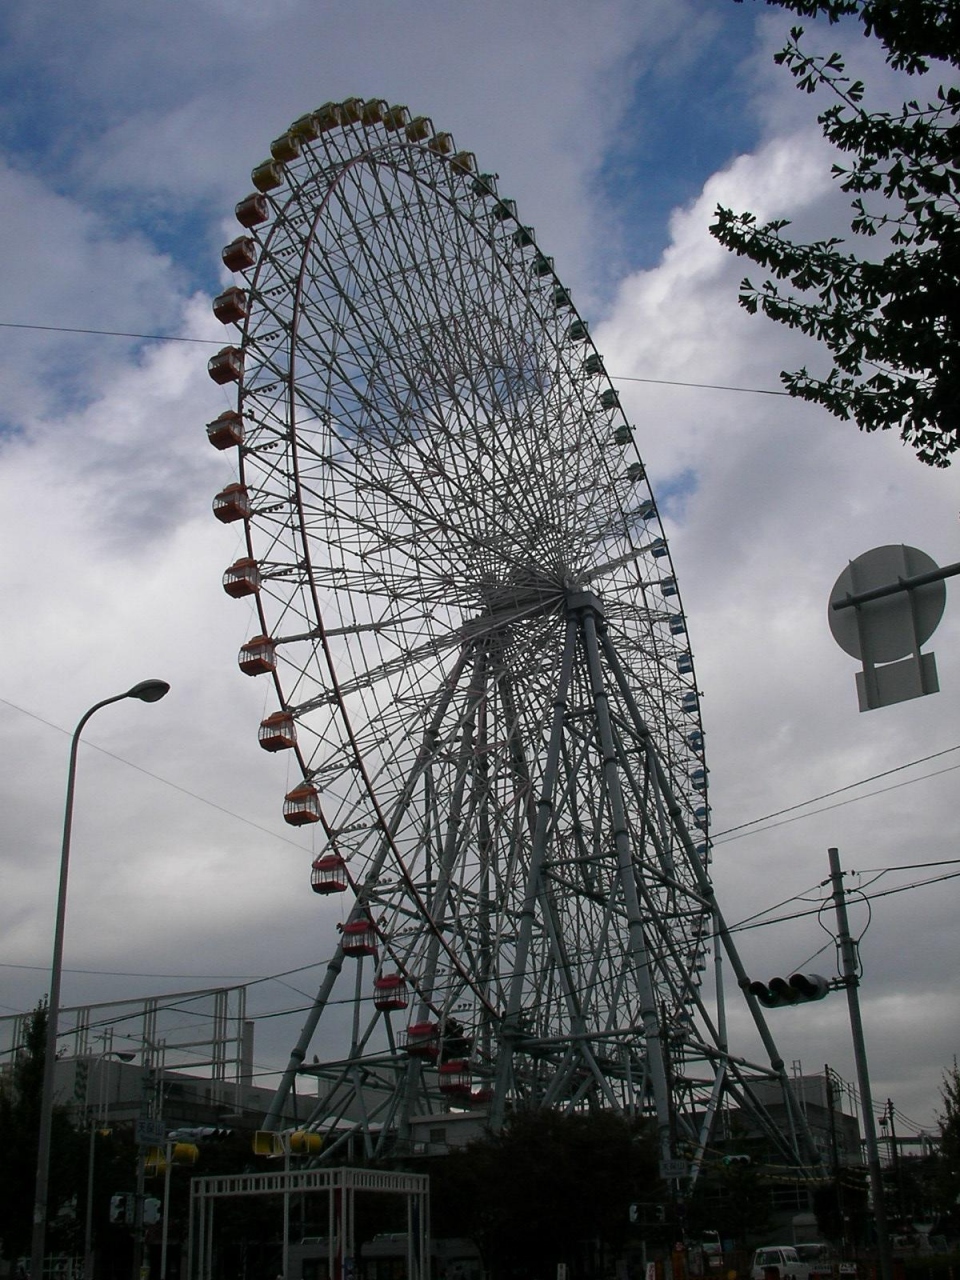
145, 691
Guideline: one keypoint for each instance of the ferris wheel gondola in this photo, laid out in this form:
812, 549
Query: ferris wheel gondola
466, 602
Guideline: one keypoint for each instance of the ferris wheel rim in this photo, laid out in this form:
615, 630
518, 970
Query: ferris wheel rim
319, 624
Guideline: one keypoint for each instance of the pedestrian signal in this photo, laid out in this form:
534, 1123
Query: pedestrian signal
122, 1207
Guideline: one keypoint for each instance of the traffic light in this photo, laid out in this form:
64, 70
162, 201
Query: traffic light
732, 1160
295, 1142
151, 1211
304, 1143
267, 1143
646, 1214
122, 1208
797, 989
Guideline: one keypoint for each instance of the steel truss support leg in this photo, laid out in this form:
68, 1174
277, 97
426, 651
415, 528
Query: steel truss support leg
510, 1029
803, 1143
628, 880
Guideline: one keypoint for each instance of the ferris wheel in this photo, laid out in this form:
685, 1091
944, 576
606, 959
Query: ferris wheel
466, 604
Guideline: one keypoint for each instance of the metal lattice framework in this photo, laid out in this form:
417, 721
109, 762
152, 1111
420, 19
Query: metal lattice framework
469, 612
339, 1187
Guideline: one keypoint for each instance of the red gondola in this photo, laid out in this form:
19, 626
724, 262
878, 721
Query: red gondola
239, 254
390, 992
359, 938
454, 1078
230, 307
301, 805
232, 503
258, 657
423, 1040
252, 210
278, 732
226, 366
226, 431
328, 874
242, 578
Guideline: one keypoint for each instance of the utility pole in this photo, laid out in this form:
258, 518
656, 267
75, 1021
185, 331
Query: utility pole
835, 1159
897, 1167
851, 981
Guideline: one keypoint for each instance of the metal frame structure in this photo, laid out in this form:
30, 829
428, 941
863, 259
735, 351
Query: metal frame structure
340, 1185
469, 613
180, 1030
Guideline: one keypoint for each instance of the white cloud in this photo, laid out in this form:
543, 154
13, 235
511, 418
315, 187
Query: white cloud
113, 561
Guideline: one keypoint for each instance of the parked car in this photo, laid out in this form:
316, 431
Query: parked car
778, 1262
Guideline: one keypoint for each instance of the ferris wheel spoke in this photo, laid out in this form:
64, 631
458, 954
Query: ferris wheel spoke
439, 479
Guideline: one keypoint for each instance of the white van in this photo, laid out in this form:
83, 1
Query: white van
712, 1249
778, 1262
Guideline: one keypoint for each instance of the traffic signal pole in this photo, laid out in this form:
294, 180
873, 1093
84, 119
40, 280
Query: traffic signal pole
851, 981
165, 1228
138, 1234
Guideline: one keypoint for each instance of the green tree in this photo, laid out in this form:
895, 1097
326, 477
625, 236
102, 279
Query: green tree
745, 1201
548, 1188
949, 1164
842, 1207
890, 321
20, 1091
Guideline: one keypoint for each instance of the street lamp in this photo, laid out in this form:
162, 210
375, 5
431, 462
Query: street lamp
145, 691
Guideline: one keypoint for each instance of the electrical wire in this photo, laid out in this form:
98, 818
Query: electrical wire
214, 342
706, 386
108, 333
239, 978
759, 920
753, 922
840, 804
212, 804
826, 795
732, 832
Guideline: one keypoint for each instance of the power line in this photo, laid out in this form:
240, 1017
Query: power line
108, 333
706, 386
750, 922
214, 342
754, 922
165, 781
839, 790
841, 803
240, 978
717, 839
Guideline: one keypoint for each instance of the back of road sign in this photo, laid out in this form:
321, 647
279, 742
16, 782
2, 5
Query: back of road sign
886, 633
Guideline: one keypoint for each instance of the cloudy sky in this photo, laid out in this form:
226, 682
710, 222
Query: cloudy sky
127, 134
